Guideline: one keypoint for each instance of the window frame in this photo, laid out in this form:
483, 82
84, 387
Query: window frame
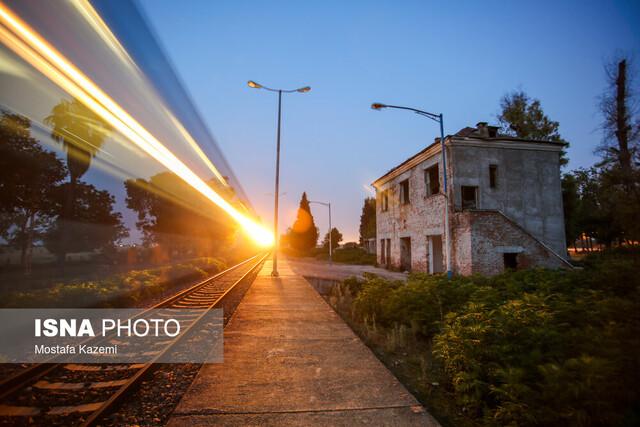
384, 200
405, 197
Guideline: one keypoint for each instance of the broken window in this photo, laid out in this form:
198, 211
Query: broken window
493, 176
404, 192
384, 200
432, 180
469, 197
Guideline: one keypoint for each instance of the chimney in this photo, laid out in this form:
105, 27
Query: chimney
483, 130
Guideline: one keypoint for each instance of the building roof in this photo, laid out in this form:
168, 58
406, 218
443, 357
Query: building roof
482, 131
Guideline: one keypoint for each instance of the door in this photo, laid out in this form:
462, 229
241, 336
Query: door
405, 253
388, 257
436, 258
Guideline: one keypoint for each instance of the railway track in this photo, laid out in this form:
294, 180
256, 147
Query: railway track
82, 394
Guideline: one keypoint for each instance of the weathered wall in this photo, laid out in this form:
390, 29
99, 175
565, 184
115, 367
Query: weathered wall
528, 190
417, 220
482, 237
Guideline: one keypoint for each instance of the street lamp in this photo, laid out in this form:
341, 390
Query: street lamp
305, 89
436, 118
330, 229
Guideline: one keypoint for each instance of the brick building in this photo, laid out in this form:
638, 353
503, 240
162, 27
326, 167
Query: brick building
505, 206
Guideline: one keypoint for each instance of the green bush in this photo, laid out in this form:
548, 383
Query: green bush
526, 348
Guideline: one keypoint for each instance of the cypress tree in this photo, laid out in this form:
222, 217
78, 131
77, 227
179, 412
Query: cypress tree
303, 236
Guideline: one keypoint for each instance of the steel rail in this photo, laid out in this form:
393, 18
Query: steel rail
12, 385
133, 381
15, 382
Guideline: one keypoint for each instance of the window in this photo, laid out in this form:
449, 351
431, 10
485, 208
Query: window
384, 200
404, 192
432, 180
469, 197
493, 176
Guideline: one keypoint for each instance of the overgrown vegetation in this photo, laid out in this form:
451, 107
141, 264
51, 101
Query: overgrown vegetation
122, 290
526, 348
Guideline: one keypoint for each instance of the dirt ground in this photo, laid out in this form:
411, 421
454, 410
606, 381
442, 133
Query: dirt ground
336, 271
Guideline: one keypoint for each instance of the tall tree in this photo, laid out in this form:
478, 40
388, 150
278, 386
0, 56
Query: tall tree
619, 174
81, 133
523, 117
29, 177
303, 235
368, 219
621, 124
571, 206
597, 215
336, 238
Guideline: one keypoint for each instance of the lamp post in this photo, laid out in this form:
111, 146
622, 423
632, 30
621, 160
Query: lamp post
330, 229
305, 89
436, 118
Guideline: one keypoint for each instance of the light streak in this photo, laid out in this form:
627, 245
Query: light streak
94, 20
192, 142
30, 46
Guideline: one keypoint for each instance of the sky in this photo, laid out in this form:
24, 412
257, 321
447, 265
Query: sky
455, 58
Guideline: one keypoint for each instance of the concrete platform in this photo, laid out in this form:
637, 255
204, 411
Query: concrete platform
290, 360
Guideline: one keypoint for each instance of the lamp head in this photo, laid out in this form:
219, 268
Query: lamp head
304, 89
254, 85
378, 106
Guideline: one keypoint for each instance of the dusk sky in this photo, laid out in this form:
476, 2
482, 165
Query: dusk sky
456, 59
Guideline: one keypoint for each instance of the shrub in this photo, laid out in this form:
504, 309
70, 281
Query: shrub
532, 347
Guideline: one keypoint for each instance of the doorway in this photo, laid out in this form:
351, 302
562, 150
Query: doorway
435, 254
510, 260
405, 253
388, 253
